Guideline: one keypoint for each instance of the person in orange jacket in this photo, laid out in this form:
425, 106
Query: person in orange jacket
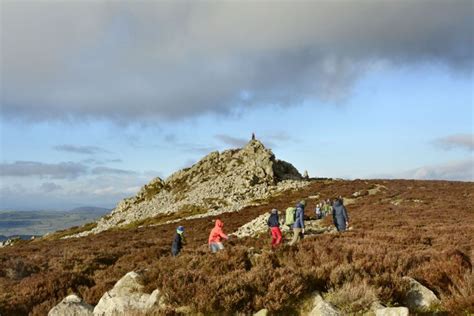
216, 236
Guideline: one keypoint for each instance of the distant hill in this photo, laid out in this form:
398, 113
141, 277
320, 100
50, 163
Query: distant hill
15, 223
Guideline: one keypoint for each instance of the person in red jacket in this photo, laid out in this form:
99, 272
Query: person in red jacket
216, 235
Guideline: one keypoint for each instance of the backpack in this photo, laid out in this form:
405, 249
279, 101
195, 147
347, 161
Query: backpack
290, 216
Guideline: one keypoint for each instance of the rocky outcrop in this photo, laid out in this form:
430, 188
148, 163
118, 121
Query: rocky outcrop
323, 308
418, 296
229, 181
72, 305
127, 295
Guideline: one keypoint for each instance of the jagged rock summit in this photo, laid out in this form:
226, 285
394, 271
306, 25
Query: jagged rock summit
228, 181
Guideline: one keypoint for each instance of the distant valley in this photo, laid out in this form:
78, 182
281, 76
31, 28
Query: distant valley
33, 223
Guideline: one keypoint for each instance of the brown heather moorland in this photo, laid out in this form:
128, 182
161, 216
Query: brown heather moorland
422, 229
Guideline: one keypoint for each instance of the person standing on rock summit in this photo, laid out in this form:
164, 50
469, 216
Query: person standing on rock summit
178, 241
274, 224
216, 236
298, 226
339, 215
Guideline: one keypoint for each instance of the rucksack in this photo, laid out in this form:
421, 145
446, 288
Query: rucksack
290, 216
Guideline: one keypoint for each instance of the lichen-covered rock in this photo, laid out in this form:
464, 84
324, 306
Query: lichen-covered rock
418, 296
323, 308
127, 295
72, 305
228, 181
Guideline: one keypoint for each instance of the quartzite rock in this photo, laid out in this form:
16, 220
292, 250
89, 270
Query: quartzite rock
419, 296
127, 295
72, 305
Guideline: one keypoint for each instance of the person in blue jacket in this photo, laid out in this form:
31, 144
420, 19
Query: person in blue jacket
178, 241
339, 215
298, 226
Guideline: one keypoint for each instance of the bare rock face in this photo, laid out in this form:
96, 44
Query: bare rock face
419, 297
228, 180
72, 305
127, 295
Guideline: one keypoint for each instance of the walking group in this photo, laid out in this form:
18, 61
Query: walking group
294, 218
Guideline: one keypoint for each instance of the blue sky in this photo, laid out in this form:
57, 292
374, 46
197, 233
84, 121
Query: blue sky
89, 121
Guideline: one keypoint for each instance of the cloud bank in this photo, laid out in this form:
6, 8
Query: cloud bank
60, 170
464, 141
83, 150
70, 187
137, 61
462, 170
456, 170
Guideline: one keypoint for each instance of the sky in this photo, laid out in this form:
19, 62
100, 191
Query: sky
99, 97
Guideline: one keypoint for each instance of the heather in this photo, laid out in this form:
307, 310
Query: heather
421, 229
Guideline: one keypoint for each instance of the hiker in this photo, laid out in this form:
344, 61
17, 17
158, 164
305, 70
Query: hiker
323, 209
339, 215
298, 226
274, 224
318, 211
253, 136
178, 241
328, 207
290, 217
216, 235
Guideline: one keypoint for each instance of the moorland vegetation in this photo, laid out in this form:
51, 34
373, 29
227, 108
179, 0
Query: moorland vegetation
421, 229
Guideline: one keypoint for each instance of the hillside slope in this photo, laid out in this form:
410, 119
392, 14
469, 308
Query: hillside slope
421, 229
